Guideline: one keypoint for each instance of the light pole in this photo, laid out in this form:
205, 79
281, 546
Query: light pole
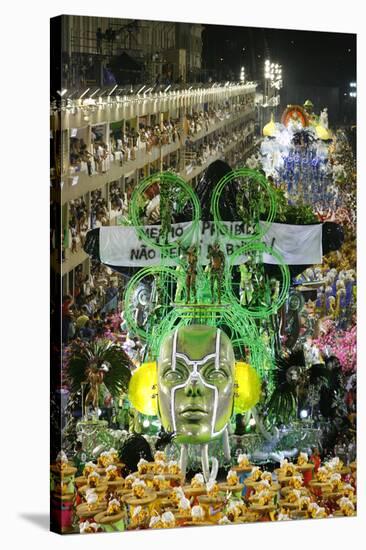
272, 81
267, 77
276, 83
353, 95
353, 89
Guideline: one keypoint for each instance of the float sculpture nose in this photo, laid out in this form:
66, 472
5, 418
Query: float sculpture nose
194, 386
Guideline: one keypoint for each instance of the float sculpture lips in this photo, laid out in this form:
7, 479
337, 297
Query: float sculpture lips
193, 412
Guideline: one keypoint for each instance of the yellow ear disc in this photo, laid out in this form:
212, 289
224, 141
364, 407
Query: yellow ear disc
248, 387
142, 389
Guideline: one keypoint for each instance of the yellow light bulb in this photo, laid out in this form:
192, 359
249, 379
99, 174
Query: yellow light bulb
142, 388
248, 391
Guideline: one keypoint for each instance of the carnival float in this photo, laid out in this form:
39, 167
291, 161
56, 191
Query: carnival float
241, 294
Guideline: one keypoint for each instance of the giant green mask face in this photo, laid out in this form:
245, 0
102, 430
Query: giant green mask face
196, 383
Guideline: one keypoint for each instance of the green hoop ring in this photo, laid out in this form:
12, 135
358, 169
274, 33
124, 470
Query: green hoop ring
259, 311
134, 208
134, 281
215, 204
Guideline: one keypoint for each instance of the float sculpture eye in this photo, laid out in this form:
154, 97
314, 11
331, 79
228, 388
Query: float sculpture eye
172, 376
211, 374
180, 374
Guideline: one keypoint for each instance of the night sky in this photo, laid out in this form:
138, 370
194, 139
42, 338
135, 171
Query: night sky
306, 56
315, 65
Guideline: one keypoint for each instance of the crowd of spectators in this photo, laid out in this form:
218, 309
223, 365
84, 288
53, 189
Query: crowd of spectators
78, 223
203, 151
82, 219
203, 120
157, 135
118, 200
124, 145
95, 310
96, 161
99, 209
80, 157
126, 141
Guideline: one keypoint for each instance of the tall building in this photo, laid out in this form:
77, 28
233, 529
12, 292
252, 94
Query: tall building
132, 51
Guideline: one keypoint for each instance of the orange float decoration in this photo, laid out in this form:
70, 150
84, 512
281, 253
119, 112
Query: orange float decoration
295, 113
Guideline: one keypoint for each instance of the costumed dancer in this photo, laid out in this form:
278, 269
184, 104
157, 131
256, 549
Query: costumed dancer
192, 259
216, 259
246, 285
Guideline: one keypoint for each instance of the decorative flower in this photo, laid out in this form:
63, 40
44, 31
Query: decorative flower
197, 513
88, 527
139, 488
197, 481
316, 511
263, 485
283, 515
111, 472
336, 481
243, 460
212, 488
113, 454
160, 467
129, 480
264, 497
322, 474
176, 495
160, 456
89, 468
173, 467
255, 473
91, 497
155, 522
232, 478
168, 519
266, 476
142, 466
93, 479
287, 468
224, 521
296, 482
294, 496
348, 490
139, 515
62, 460
114, 507
339, 343
104, 459
346, 506
184, 505
233, 511
302, 459
304, 502
160, 483
333, 465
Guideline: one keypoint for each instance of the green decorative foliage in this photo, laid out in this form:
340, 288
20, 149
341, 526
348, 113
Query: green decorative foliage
282, 406
297, 214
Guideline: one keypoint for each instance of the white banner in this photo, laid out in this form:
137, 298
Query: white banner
297, 244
